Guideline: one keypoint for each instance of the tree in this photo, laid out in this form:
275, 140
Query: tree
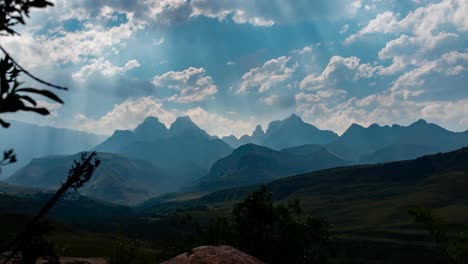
274, 233
13, 98
455, 249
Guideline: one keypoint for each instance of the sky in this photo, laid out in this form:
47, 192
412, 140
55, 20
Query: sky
233, 64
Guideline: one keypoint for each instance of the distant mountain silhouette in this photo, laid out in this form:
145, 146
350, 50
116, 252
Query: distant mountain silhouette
253, 164
119, 179
184, 126
391, 143
290, 132
32, 141
151, 129
184, 151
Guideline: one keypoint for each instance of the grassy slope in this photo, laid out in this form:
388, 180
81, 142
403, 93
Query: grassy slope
71, 242
367, 204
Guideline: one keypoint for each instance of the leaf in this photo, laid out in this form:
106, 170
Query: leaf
4, 124
40, 3
40, 110
29, 99
45, 93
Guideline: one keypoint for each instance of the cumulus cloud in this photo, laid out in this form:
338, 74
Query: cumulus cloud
283, 101
131, 112
191, 85
126, 115
269, 75
339, 69
216, 124
449, 66
268, 13
103, 67
65, 46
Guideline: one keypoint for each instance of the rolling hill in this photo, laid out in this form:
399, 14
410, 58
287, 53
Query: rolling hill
32, 141
252, 164
119, 179
362, 197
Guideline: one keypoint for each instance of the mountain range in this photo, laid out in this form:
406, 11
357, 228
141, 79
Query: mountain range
184, 151
119, 179
391, 143
290, 132
153, 159
32, 141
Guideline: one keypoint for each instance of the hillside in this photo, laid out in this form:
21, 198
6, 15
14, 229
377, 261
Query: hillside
119, 179
363, 198
32, 141
252, 164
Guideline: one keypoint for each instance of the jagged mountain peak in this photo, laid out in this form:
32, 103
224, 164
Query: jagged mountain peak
420, 122
151, 129
185, 125
258, 131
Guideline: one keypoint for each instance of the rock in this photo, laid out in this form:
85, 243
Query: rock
214, 255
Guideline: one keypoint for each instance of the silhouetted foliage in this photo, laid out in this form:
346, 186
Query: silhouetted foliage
9, 157
456, 249
13, 97
14, 12
273, 233
78, 175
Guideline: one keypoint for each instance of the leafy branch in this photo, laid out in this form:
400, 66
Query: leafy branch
78, 175
14, 97
14, 12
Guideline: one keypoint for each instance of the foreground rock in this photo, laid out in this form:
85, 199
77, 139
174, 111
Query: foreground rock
214, 255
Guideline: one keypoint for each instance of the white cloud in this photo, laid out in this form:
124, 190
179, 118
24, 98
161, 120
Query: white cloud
126, 115
268, 13
344, 29
269, 75
449, 65
103, 67
216, 124
65, 46
191, 85
131, 112
385, 22
338, 69
270, 100
158, 42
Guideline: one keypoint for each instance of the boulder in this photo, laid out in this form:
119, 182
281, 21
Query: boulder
214, 255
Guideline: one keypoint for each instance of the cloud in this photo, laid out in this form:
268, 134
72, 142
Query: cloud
130, 113
271, 74
429, 76
283, 101
216, 124
385, 22
267, 13
103, 67
422, 22
158, 42
339, 69
126, 115
191, 85
93, 41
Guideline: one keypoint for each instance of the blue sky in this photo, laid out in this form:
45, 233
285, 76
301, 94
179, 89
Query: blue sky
233, 64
